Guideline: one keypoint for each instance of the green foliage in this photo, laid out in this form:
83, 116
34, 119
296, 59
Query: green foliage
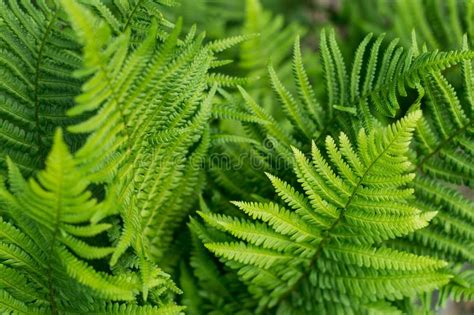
151, 110
378, 84
377, 88
48, 226
133, 99
438, 24
135, 15
37, 87
352, 163
273, 42
214, 16
444, 162
327, 245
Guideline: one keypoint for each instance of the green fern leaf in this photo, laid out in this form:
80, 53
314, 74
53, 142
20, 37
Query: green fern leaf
37, 60
44, 246
328, 249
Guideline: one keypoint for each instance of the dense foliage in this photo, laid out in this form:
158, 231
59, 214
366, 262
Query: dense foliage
236, 157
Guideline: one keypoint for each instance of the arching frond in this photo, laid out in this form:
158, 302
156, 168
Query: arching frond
365, 95
148, 135
45, 245
373, 89
328, 246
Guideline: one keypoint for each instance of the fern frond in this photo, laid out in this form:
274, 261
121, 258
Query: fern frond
294, 112
42, 244
37, 60
148, 135
228, 42
374, 89
398, 69
444, 162
448, 127
329, 247
223, 80
460, 288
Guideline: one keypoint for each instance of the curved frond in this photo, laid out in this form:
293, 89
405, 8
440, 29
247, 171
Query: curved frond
329, 246
148, 135
37, 60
